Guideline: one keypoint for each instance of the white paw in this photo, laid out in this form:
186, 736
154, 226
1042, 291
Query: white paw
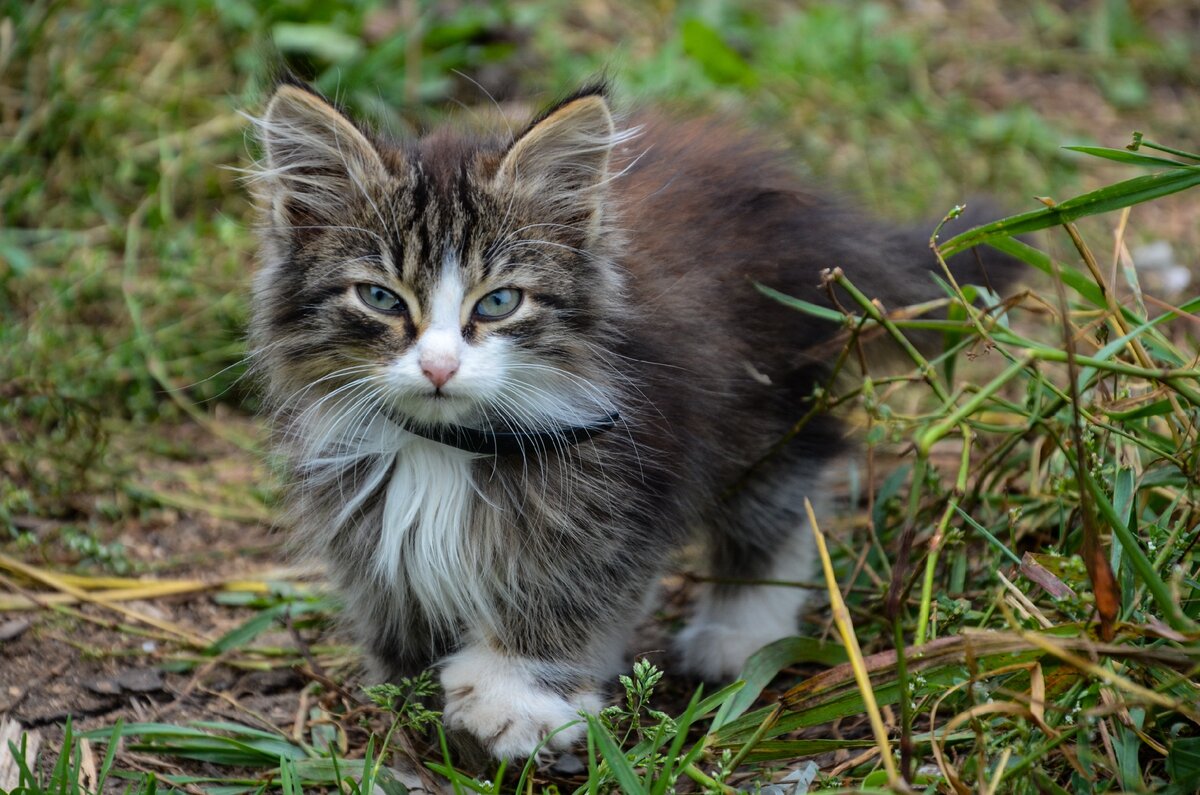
727, 629
500, 701
718, 652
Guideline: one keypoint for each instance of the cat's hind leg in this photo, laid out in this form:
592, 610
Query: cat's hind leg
757, 537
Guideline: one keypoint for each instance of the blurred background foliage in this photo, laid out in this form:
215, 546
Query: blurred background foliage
126, 243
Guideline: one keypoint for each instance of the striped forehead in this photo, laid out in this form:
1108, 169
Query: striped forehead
437, 216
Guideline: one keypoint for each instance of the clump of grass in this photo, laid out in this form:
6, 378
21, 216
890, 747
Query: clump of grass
119, 260
1052, 511
73, 771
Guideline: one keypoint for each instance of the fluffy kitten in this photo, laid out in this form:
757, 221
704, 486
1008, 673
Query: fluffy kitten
511, 374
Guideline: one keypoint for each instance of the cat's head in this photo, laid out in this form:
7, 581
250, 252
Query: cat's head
449, 280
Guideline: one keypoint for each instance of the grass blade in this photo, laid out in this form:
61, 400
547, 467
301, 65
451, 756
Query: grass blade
841, 617
1113, 197
618, 764
816, 310
1126, 156
766, 663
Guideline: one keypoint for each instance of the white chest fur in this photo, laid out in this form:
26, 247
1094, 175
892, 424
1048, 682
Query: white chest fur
430, 542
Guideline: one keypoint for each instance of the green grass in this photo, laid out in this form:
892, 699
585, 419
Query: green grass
1042, 484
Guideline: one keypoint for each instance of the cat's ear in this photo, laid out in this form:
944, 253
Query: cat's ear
562, 159
316, 159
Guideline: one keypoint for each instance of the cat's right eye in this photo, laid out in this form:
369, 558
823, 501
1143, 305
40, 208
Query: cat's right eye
380, 299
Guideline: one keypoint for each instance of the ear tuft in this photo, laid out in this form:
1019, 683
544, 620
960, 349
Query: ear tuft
564, 152
315, 156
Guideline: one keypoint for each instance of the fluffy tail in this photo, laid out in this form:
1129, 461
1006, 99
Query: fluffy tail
896, 267
912, 282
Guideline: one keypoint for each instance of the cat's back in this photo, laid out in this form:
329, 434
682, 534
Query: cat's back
709, 210
688, 187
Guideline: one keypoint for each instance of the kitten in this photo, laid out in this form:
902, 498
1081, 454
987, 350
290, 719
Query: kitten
511, 374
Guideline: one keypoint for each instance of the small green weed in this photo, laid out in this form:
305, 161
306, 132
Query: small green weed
406, 702
626, 721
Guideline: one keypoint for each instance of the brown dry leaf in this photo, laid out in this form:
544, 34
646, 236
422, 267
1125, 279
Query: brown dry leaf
1037, 693
1050, 583
87, 764
1104, 582
979, 643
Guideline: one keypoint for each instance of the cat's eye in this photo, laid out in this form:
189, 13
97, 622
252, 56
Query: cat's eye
498, 304
380, 298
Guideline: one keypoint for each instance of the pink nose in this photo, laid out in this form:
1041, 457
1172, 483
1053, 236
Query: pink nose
439, 372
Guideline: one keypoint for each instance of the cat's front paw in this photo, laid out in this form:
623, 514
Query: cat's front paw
504, 703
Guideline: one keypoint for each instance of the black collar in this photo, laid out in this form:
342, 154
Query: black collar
496, 443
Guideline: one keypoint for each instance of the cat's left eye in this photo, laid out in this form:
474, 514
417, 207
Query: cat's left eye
498, 304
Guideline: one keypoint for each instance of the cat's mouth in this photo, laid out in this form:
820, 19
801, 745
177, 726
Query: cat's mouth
444, 395
436, 407
450, 406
